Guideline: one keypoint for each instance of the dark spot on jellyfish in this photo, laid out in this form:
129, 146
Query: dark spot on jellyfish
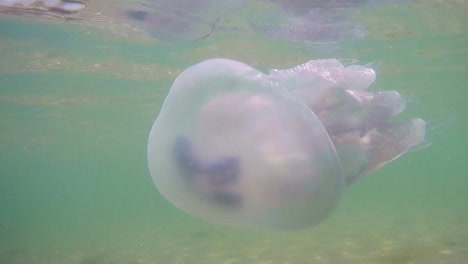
227, 199
184, 158
137, 15
220, 172
363, 131
223, 171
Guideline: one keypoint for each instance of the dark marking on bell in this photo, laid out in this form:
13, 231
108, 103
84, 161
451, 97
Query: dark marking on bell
137, 15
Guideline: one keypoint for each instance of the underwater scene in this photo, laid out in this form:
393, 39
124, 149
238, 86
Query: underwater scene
233, 131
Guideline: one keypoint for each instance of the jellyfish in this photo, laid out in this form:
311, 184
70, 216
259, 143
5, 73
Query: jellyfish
171, 21
315, 23
238, 147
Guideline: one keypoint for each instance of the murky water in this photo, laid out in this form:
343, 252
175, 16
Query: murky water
78, 99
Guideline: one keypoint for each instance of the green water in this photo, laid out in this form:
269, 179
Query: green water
77, 104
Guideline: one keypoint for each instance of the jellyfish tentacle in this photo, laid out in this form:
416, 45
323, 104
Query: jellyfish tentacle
390, 142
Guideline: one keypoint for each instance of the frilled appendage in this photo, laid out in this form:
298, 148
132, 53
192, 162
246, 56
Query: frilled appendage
238, 147
357, 120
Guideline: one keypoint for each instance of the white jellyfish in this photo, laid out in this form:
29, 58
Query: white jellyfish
238, 147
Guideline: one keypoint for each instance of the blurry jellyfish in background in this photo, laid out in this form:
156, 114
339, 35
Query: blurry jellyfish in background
316, 22
179, 20
238, 147
319, 24
164, 20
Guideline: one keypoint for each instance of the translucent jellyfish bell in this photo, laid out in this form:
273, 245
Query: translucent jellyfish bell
234, 146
